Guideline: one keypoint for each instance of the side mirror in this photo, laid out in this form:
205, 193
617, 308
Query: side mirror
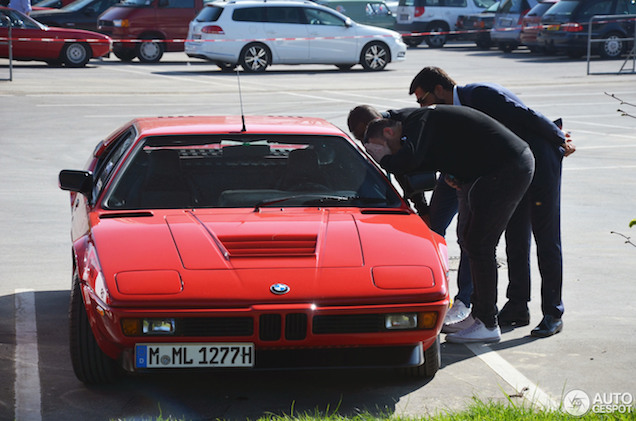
348, 22
76, 181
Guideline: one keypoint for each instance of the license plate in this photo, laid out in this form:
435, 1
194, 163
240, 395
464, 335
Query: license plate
194, 355
505, 22
553, 27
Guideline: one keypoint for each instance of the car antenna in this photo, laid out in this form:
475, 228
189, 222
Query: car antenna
238, 79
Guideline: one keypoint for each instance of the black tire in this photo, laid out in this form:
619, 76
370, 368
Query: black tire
255, 58
413, 41
90, 364
149, 51
432, 363
75, 54
507, 47
375, 56
126, 55
612, 48
436, 41
226, 67
484, 44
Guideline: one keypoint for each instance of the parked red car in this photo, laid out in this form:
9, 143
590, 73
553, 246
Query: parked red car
148, 28
33, 41
531, 26
259, 243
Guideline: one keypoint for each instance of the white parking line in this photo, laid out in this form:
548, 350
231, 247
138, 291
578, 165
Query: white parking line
27, 374
513, 377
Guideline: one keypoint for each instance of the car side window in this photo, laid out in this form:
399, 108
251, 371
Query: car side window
107, 163
590, 9
181, 4
626, 7
249, 14
284, 15
320, 17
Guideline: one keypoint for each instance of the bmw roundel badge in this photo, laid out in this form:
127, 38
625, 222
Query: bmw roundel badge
279, 289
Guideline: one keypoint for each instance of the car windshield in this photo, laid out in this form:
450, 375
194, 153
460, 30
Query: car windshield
77, 5
19, 20
180, 172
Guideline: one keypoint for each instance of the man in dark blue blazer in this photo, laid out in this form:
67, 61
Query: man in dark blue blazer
539, 211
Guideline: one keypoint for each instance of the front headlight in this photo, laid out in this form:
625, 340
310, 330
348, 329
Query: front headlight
404, 321
121, 23
148, 327
400, 321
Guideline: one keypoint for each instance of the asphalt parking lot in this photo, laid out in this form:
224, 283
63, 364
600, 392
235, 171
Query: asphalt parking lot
53, 117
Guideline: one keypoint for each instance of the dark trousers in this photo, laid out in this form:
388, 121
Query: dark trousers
539, 213
490, 202
444, 206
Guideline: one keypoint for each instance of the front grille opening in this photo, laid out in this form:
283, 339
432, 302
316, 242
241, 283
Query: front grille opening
296, 326
270, 327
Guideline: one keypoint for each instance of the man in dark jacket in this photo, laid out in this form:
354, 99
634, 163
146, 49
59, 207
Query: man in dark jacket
487, 163
538, 212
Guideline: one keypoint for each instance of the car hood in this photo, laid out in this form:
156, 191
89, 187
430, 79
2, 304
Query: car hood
55, 32
49, 13
236, 255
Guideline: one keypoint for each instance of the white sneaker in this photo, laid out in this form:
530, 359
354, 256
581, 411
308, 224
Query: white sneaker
456, 314
456, 327
477, 332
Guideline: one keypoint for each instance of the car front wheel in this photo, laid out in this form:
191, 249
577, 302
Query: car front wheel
90, 364
255, 58
612, 47
437, 41
76, 54
375, 56
150, 51
432, 363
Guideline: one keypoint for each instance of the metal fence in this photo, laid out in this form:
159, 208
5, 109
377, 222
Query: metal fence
9, 42
631, 56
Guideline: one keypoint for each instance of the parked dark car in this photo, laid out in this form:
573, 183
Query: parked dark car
81, 14
531, 25
565, 27
478, 26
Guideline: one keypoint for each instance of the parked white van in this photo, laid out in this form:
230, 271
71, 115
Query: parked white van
439, 16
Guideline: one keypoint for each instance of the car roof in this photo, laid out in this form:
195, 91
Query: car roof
234, 124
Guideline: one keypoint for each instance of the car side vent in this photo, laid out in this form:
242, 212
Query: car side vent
295, 326
270, 245
270, 327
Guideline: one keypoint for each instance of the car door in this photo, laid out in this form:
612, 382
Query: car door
286, 33
174, 16
331, 39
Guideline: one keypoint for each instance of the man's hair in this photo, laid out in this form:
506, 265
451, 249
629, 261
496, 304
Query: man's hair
376, 127
429, 77
362, 114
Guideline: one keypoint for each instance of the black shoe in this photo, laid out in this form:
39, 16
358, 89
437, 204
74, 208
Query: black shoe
549, 326
513, 314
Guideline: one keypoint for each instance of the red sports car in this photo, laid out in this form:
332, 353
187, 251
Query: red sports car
255, 242
33, 41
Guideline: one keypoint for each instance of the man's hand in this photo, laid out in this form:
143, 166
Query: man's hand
376, 151
568, 146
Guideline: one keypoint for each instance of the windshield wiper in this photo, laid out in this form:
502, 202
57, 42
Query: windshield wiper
321, 198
